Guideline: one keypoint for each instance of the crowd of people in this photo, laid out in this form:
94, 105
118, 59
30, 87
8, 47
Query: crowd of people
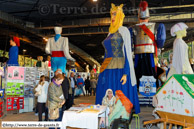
52, 99
58, 96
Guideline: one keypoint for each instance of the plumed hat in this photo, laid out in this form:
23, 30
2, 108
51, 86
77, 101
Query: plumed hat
143, 11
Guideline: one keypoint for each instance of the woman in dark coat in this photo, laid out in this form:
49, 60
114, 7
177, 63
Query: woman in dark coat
87, 86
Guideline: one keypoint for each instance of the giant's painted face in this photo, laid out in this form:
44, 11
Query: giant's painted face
113, 17
117, 17
184, 33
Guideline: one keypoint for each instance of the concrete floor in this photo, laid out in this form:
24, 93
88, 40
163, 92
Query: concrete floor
146, 113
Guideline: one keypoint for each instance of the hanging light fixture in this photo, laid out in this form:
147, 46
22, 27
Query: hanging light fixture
45, 39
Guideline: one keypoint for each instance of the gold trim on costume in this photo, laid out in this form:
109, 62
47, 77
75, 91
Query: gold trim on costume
105, 64
117, 62
113, 63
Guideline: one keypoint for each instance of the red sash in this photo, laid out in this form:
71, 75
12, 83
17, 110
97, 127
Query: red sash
152, 37
150, 34
58, 54
80, 83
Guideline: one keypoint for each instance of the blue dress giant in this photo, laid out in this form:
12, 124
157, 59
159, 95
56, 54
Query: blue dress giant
117, 67
13, 56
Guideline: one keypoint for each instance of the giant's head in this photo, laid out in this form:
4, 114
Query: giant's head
179, 29
143, 12
58, 30
117, 17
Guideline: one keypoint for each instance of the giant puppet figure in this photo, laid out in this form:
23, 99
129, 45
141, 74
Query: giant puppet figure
117, 70
13, 52
58, 47
146, 45
180, 60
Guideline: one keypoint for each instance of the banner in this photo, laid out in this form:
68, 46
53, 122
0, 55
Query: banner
15, 103
30, 74
28, 90
14, 88
147, 86
15, 73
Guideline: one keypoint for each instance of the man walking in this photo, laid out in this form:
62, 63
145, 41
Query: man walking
80, 83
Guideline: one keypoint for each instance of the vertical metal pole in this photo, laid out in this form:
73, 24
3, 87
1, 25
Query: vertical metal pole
105, 119
192, 47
